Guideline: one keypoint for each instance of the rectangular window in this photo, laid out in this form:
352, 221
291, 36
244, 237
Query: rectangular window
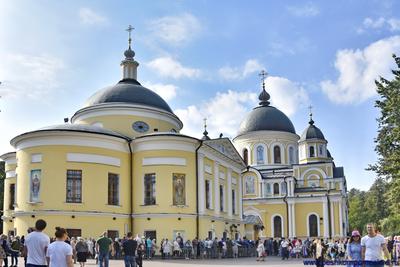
113, 189
112, 234
12, 197
150, 233
208, 195
221, 198
74, 186
178, 189
74, 232
233, 202
150, 189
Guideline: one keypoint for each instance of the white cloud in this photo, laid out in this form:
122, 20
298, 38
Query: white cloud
225, 111
166, 91
176, 30
307, 10
90, 17
392, 24
169, 67
359, 68
29, 76
286, 95
239, 73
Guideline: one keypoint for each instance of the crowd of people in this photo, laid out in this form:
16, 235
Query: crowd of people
38, 249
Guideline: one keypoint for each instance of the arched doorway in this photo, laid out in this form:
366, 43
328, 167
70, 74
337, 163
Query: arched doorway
277, 224
313, 225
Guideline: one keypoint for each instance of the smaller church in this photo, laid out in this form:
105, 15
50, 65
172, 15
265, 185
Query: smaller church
121, 165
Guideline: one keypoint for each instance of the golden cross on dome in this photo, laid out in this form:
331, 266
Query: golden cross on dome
205, 123
310, 108
129, 30
263, 74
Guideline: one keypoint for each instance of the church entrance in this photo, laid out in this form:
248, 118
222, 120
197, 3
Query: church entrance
277, 226
313, 225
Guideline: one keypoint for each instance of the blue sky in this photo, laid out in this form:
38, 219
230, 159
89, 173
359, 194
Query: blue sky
203, 57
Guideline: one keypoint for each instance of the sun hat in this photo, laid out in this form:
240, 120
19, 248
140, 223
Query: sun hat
355, 233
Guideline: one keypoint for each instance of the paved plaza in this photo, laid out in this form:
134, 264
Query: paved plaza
270, 261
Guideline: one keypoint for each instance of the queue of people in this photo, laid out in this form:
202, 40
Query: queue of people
38, 249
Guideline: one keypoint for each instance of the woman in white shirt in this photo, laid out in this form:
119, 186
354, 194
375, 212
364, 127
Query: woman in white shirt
59, 253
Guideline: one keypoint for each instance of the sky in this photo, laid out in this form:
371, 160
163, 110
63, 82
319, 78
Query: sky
203, 57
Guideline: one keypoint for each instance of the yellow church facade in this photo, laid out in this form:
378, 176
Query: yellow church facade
120, 165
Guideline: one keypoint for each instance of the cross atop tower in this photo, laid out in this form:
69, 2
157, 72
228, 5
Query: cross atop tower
310, 109
129, 30
263, 74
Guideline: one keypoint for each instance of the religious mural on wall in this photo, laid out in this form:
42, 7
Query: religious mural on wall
249, 185
35, 185
179, 193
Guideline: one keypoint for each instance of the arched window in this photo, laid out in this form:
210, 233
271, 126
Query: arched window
260, 155
312, 152
276, 189
267, 189
283, 188
277, 154
246, 156
313, 225
277, 227
291, 155
321, 150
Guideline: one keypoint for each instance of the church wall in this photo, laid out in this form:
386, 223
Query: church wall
53, 179
302, 210
164, 181
91, 226
123, 124
166, 226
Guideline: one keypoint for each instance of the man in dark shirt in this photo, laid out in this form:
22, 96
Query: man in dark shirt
129, 246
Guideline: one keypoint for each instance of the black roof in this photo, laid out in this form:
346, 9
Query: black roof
128, 91
338, 172
312, 132
266, 118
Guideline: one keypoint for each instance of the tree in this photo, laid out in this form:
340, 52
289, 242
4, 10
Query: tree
388, 142
358, 212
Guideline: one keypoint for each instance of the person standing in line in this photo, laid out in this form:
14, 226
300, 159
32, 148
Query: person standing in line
140, 252
82, 251
103, 248
36, 244
372, 246
354, 248
59, 253
284, 249
129, 247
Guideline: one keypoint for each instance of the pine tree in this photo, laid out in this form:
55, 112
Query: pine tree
388, 139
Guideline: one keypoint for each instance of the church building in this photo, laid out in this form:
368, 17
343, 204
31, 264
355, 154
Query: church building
121, 164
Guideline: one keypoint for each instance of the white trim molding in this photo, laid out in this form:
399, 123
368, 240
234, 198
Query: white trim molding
93, 158
36, 158
164, 161
11, 174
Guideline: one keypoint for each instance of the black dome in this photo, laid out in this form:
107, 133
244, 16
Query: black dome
266, 118
128, 91
312, 132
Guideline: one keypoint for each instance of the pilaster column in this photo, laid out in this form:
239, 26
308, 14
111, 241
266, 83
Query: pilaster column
239, 196
293, 220
216, 188
326, 224
201, 183
332, 208
229, 192
290, 219
340, 217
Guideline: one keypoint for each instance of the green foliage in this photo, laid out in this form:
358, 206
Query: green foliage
384, 195
388, 139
